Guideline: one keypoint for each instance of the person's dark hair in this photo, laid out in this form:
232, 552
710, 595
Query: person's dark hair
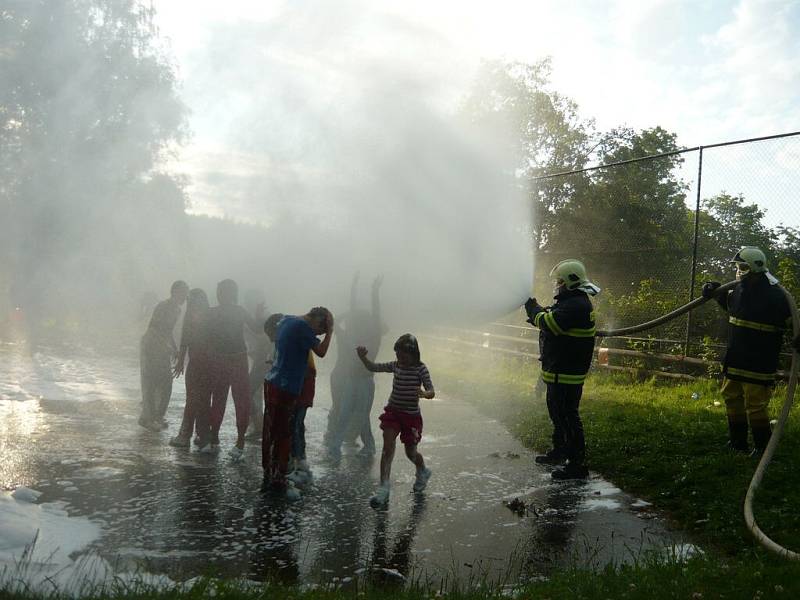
228, 288
408, 343
319, 312
178, 285
198, 300
272, 322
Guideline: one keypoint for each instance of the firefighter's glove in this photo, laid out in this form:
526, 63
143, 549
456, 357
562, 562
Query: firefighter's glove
710, 289
796, 343
532, 307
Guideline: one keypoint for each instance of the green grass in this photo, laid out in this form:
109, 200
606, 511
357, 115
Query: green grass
654, 440
698, 578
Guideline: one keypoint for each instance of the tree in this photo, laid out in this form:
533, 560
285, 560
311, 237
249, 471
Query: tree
541, 128
726, 224
787, 252
88, 111
788, 242
628, 222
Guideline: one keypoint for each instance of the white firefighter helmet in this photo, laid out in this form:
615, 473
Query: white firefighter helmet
753, 257
571, 272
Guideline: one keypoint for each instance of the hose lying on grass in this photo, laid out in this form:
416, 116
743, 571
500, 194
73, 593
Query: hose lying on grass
755, 482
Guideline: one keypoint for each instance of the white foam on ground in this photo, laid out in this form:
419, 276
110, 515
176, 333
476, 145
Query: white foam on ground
601, 504
38, 545
150, 553
98, 473
526, 492
52, 377
600, 487
56, 534
23, 494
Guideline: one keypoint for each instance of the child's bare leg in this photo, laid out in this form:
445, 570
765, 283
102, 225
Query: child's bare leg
414, 456
387, 455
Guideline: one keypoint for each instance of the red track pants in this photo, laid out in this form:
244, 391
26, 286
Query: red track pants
276, 441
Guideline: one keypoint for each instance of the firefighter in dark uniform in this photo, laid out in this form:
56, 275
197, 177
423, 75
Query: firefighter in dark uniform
758, 316
566, 344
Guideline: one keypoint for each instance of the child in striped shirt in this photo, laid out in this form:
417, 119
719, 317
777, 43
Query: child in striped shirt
402, 416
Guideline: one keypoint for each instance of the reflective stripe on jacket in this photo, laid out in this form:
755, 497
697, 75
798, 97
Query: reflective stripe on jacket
758, 315
566, 338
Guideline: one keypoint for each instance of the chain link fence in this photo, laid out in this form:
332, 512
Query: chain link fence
651, 230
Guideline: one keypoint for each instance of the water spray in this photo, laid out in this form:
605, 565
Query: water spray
755, 482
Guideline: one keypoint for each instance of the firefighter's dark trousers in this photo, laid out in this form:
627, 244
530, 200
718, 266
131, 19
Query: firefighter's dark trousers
563, 401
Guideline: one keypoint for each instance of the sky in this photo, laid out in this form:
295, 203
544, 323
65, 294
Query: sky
710, 71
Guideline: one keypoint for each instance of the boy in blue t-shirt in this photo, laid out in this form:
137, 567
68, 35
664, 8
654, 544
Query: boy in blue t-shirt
294, 338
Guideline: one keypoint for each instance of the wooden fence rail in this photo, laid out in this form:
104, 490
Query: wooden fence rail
526, 339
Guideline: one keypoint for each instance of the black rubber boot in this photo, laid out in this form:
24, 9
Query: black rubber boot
573, 470
556, 456
737, 436
761, 435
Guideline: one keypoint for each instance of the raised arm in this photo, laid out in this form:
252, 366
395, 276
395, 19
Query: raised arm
362, 354
321, 349
354, 292
371, 366
376, 297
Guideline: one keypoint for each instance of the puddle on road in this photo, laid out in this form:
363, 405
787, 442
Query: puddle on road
73, 436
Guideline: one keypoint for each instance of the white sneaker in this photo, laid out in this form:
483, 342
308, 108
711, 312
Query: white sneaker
300, 478
381, 497
236, 454
292, 493
179, 442
208, 449
422, 479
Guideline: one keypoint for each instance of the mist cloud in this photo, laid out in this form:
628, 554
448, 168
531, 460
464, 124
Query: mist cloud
359, 161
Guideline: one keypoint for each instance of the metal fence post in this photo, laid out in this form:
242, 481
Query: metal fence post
694, 248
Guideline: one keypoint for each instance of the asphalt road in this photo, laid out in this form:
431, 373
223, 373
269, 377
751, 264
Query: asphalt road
68, 429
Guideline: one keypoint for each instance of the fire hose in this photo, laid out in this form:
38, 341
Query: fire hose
766, 457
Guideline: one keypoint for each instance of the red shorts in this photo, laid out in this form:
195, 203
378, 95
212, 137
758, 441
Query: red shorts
408, 424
